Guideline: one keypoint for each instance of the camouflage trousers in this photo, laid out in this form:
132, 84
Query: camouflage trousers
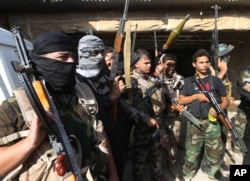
145, 149
242, 126
210, 138
173, 128
174, 124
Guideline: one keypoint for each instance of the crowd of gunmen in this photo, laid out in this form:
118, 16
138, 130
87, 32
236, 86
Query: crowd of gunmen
117, 126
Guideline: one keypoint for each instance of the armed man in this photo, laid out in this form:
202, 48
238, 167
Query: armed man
30, 156
200, 106
92, 71
146, 111
243, 113
222, 60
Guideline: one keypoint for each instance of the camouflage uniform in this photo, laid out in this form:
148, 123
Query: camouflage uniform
210, 138
172, 88
243, 114
144, 141
76, 122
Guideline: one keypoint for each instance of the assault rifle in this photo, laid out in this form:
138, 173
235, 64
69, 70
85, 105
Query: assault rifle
177, 107
222, 116
41, 101
118, 43
190, 117
215, 41
156, 46
119, 38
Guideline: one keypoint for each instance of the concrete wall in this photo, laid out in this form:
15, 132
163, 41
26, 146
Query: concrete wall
34, 24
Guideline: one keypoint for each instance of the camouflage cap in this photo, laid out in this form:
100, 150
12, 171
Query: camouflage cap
224, 49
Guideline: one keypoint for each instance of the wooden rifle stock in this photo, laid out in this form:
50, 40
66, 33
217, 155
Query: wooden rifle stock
41, 94
226, 122
118, 42
117, 50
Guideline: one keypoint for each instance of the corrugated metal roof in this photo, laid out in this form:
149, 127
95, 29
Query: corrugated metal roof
145, 39
75, 5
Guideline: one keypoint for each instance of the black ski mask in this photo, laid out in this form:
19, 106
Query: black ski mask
59, 76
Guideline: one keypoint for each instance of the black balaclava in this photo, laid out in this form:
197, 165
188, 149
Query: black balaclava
59, 76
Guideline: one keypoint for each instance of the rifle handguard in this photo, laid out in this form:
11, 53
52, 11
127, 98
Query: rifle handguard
41, 94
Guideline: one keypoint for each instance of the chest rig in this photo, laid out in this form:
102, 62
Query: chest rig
151, 90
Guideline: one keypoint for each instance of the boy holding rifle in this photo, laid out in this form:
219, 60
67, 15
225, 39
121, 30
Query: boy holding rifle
200, 106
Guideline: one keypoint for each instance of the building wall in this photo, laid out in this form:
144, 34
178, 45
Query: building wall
78, 22
240, 58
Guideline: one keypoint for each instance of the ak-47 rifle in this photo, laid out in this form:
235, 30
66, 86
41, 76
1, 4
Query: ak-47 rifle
222, 116
119, 38
189, 116
175, 105
41, 101
134, 38
215, 41
156, 46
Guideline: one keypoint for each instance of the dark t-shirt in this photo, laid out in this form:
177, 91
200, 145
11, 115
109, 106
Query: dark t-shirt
213, 84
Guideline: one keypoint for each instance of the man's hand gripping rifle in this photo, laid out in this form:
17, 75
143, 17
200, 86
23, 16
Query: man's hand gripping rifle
66, 164
118, 43
190, 117
222, 116
160, 133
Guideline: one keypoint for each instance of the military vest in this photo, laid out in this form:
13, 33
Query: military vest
151, 90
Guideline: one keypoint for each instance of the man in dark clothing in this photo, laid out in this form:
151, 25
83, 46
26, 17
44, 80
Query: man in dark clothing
92, 71
243, 113
53, 59
146, 111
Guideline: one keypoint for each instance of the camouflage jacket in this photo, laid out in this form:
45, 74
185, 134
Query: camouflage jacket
75, 119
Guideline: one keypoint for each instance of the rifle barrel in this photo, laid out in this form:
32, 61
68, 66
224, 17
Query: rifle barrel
222, 116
